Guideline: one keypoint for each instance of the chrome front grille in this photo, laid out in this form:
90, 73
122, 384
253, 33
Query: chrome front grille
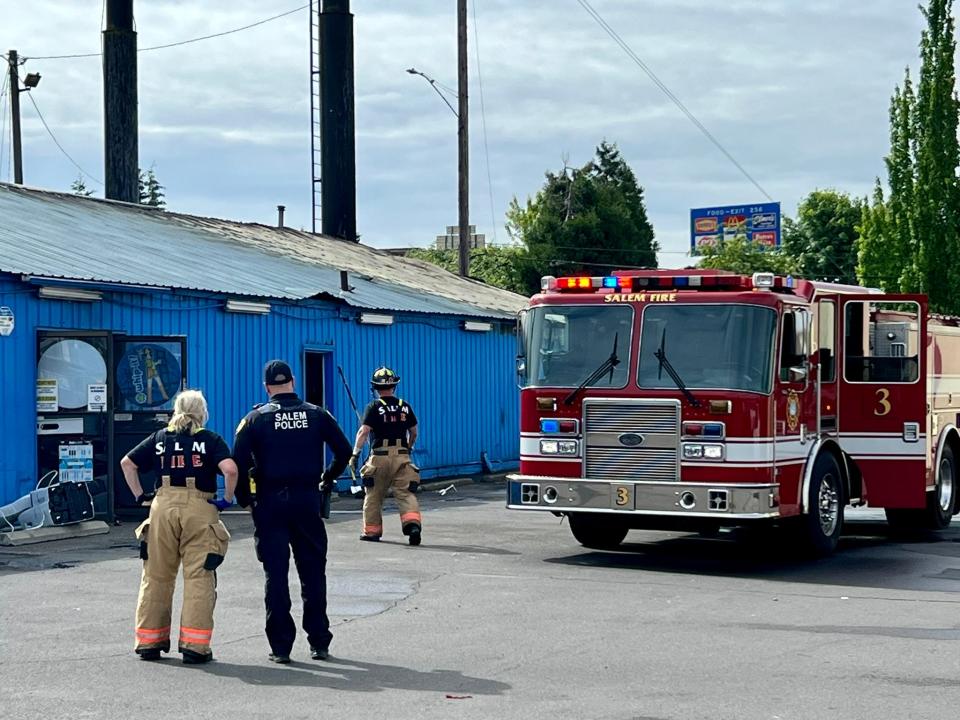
610, 454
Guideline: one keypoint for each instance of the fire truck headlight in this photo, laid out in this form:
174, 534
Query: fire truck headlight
559, 447
692, 452
713, 452
696, 451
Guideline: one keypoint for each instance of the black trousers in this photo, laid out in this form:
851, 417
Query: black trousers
284, 520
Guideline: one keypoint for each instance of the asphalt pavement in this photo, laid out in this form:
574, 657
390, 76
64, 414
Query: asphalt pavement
502, 615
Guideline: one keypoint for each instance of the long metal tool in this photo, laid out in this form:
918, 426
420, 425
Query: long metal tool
355, 487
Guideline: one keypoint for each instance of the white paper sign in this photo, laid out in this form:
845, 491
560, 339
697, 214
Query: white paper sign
48, 395
97, 397
6, 321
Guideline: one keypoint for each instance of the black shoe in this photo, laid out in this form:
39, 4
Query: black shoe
370, 538
191, 657
149, 654
415, 536
279, 659
319, 653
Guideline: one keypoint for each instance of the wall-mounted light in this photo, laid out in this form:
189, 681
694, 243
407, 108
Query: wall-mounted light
245, 306
475, 326
376, 319
68, 293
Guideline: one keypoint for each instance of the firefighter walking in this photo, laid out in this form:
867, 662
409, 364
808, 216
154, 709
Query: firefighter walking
183, 527
282, 444
393, 426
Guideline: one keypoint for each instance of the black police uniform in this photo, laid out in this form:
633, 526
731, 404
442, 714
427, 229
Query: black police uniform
283, 443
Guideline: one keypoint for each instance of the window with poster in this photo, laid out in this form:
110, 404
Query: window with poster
149, 373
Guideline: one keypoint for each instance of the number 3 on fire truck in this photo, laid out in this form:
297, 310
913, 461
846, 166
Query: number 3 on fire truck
883, 402
623, 495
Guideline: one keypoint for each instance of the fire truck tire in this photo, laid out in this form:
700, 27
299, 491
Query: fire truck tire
822, 525
597, 532
941, 502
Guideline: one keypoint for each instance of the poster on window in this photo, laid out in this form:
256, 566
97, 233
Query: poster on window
149, 375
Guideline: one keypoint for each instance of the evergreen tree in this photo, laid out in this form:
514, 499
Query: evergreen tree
151, 191
591, 219
79, 187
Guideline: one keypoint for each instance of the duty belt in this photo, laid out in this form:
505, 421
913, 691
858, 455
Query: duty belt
392, 451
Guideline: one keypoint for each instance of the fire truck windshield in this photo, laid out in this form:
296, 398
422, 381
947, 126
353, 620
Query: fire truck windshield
565, 344
717, 347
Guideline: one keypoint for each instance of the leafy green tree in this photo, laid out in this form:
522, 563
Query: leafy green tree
79, 187
740, 256
590, 219
908, 242
823, 239
888, 247
500, 266
151, 191
937, 158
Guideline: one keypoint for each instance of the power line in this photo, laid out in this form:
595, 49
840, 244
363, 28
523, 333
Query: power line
669, 93
483, 119
181, 42
57, 142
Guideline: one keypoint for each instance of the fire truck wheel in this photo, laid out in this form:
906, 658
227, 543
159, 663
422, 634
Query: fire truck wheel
597, 531
823, 524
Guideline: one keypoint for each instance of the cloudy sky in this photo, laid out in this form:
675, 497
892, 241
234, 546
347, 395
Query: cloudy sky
796, 90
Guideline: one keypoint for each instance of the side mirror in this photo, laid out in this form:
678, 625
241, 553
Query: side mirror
521, 370
797, 374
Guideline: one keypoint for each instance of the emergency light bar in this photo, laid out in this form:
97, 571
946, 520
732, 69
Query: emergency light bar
628, 283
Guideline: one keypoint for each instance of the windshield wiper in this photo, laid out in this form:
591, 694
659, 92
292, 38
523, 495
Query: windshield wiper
661, 357
608, 366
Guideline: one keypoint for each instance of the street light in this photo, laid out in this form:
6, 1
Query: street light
31, 80
433, 84
463, 165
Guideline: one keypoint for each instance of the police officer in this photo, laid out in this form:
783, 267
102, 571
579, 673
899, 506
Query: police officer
393, 425
282, 443
183, 527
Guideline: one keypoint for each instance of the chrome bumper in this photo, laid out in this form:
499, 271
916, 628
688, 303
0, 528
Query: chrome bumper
678, 499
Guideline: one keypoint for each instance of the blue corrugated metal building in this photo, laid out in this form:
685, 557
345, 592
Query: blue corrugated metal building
106, 309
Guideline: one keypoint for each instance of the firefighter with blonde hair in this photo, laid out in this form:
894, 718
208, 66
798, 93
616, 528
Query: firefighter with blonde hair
183, 528
393, 426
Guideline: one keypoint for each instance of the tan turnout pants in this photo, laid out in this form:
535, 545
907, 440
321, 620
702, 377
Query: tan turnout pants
183, 528
389, 467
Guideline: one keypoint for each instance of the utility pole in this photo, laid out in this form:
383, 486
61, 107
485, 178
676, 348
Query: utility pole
463, 141
121, 161
15, 119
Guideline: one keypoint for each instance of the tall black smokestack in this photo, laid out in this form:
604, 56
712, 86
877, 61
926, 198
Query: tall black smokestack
338, 176
121, 161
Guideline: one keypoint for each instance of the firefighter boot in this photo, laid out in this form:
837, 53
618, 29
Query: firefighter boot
405, 472
204, 542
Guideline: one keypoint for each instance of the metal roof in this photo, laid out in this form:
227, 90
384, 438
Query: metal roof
60, 235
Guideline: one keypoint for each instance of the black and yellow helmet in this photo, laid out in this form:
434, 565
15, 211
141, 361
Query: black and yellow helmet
384, 377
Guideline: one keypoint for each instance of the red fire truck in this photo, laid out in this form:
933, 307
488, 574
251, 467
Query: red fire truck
698, 399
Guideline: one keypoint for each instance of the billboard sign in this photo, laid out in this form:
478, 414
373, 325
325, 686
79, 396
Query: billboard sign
755, 223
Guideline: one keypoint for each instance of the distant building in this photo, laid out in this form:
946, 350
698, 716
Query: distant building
451, 241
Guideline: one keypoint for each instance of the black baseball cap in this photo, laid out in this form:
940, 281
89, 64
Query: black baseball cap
277, 372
